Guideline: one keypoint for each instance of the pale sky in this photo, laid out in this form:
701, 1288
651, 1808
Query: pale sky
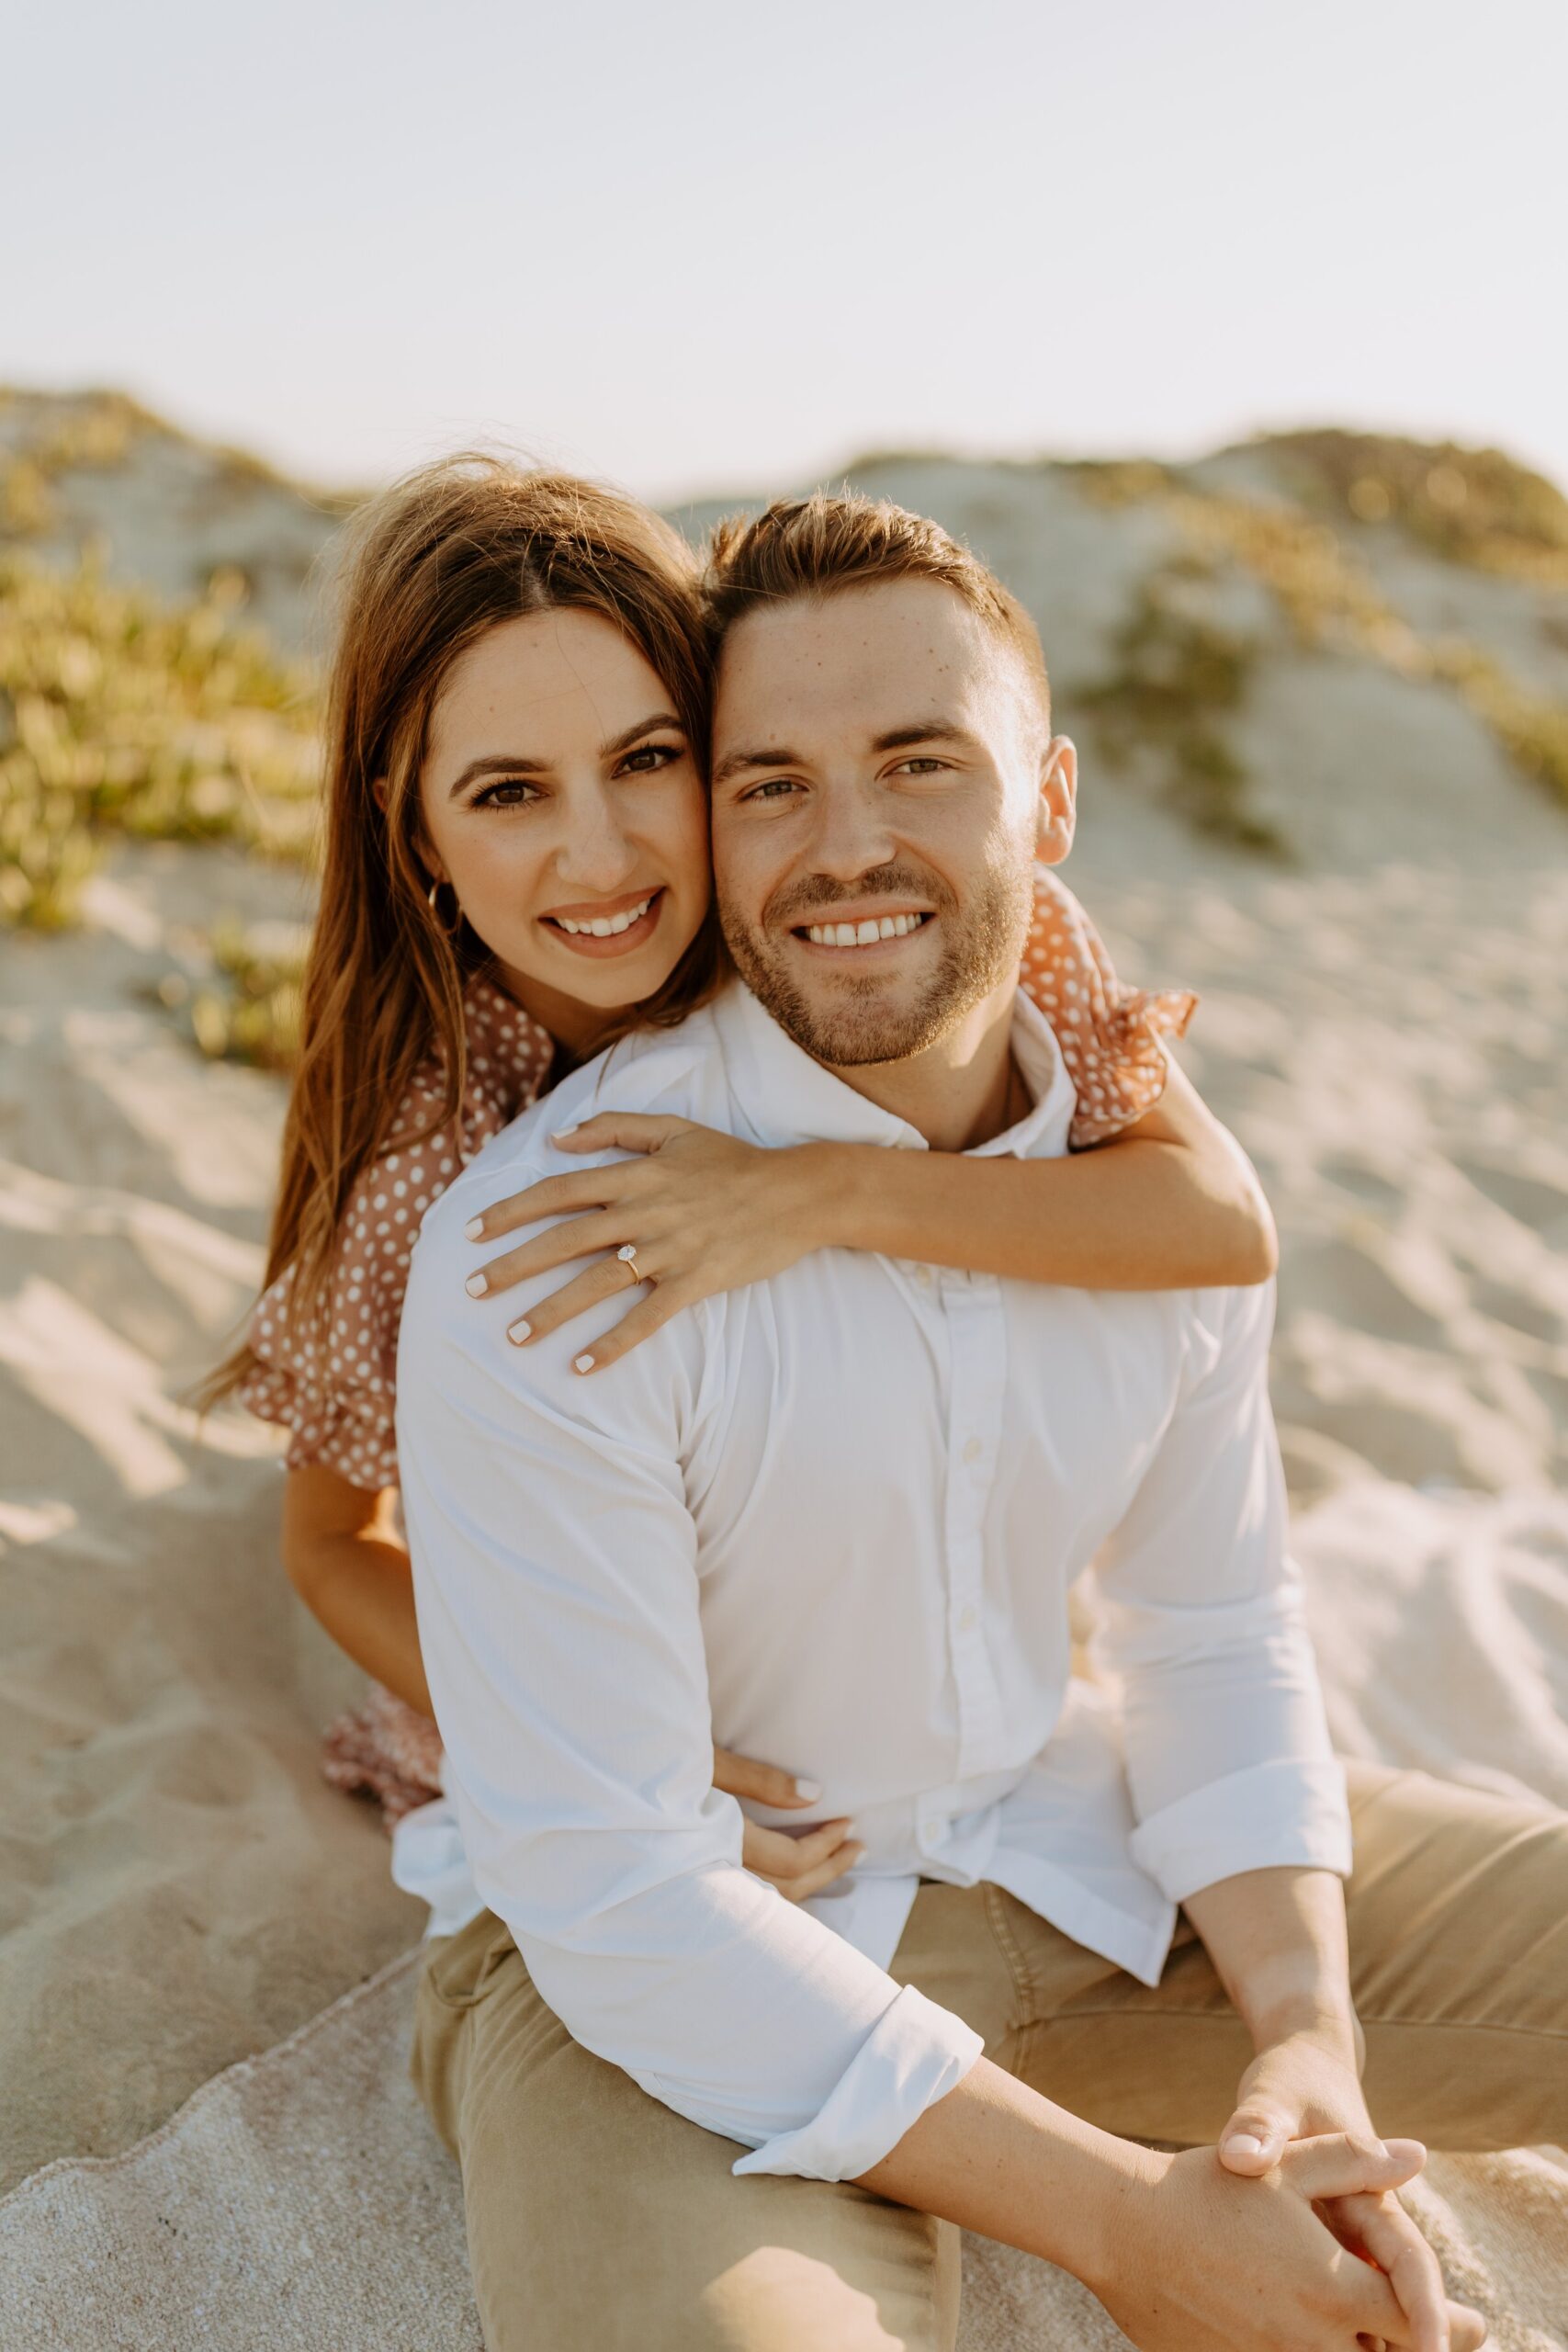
709, 246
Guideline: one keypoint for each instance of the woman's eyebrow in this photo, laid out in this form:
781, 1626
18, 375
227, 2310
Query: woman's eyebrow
509, 764
631, 735
495, 764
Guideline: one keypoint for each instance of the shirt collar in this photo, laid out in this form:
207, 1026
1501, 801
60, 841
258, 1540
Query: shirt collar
785, 1097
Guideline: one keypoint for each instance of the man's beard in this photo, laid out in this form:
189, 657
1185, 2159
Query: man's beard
982, 941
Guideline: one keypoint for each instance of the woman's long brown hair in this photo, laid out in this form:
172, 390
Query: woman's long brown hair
431, 565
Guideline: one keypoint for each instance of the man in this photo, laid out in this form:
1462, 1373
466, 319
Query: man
832, 1519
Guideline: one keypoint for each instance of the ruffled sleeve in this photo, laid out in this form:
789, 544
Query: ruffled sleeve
332, 1380
1108, 1033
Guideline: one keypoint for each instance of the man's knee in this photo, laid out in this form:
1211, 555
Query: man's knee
782, 2297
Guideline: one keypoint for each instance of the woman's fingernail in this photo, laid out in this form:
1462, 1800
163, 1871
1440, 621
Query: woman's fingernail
518, 1332
476, 1285
583, 1364
475, 1228
558, 1134
1245, 2143
809, 1790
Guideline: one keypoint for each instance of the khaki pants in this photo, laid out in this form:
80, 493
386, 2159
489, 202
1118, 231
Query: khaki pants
599, 2221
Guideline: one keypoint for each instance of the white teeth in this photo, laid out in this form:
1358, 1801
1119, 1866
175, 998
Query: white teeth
606, 926
863, 934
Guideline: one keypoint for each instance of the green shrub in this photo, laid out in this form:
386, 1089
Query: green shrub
1473, 506
1176, 673
118, 714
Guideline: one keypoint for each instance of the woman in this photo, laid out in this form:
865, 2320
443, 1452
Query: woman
517, 871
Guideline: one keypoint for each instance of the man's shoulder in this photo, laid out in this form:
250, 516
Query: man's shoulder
675, 1072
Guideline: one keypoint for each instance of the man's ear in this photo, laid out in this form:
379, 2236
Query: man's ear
1058, 799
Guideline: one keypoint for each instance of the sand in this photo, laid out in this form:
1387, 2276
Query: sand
181, 1889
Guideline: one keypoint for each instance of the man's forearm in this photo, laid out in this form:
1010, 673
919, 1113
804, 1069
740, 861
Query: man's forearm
994, 2155
1277, 1939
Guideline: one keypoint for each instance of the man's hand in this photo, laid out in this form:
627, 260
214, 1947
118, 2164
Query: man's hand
1308, 2084
1202, 2261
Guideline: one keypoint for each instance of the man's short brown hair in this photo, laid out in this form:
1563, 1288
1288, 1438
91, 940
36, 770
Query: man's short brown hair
812, 547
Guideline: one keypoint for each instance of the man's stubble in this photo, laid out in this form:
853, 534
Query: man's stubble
982, 943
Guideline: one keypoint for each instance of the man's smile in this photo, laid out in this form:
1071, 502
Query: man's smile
859, 929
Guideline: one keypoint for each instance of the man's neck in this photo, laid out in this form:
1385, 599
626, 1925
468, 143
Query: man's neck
959, 1092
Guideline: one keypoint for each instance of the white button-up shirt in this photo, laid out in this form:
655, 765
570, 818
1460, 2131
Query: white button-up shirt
831, 1519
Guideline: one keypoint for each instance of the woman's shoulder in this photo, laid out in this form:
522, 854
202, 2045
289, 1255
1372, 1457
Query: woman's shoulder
507, 1062
330, 1376
1109, 1032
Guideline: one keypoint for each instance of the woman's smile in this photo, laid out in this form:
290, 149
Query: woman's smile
616, 926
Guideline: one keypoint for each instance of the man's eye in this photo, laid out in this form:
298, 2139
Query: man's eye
776, 788
923, 765
649, 758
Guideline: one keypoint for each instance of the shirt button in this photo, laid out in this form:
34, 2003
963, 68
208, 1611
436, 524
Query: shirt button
966, 1621
924, 1276
973, 1449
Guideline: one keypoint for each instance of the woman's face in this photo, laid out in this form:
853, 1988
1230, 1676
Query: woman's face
561, 800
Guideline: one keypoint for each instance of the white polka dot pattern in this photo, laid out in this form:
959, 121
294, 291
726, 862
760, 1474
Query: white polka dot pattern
335, 1387
1108, 1033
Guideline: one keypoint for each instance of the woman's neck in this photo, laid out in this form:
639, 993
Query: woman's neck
576, 1028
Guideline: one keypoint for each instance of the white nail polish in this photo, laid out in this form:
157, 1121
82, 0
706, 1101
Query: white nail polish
476, 1285
475, 1228
518, 1332
558, 1134
809, 1790
584, 1364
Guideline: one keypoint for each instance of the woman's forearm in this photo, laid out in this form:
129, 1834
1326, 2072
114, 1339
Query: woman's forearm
348, 1565
362, 1592
1145, 1213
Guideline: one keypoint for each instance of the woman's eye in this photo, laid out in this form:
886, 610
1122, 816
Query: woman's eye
510, 793
649, 758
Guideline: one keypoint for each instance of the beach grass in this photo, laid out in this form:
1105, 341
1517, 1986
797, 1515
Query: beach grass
122, 715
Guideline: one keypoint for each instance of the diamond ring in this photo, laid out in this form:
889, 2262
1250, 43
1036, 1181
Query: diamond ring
628, 1254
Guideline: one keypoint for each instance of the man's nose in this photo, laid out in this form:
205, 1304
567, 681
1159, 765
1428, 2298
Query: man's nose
594, 853
851, 836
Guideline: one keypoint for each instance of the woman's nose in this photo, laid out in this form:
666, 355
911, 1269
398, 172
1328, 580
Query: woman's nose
594, 853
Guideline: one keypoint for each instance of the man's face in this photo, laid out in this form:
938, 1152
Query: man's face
884, 780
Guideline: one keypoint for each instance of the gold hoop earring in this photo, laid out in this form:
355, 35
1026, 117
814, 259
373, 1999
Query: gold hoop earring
447, 931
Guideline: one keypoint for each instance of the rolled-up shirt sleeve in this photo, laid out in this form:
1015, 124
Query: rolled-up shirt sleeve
554, 1567
1229, 1762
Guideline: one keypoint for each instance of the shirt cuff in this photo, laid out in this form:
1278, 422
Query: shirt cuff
1291, 1811
912, 2057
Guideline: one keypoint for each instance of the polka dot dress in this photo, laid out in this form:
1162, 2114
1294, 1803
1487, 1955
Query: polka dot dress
335, 1392
1109, 1034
